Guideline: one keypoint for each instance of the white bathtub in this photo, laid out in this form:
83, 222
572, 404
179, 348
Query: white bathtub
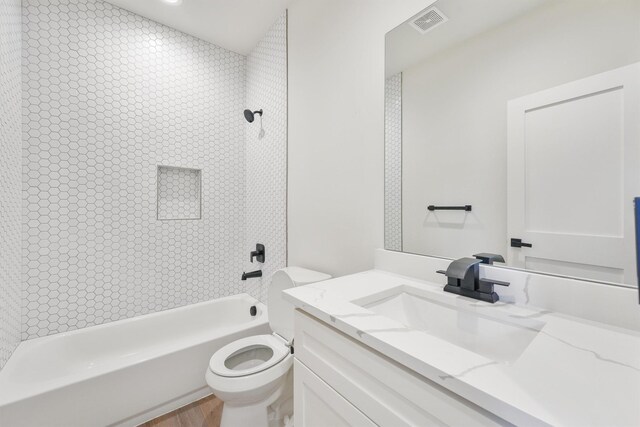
124, 372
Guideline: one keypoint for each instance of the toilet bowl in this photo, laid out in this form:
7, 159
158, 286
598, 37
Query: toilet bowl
253, 375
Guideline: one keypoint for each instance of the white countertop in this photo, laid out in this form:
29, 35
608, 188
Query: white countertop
573, 373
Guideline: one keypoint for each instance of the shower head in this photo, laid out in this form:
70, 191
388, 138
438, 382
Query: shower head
250, 116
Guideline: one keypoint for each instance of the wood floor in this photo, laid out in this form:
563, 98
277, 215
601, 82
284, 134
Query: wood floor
202, 413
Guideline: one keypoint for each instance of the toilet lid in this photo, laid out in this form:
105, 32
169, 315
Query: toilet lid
248, 356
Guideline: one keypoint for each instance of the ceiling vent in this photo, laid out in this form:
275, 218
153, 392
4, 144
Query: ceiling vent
428, 20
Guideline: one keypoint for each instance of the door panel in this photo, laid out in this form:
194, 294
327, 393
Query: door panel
573, 154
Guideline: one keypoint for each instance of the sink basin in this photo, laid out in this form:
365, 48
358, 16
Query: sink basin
498, 339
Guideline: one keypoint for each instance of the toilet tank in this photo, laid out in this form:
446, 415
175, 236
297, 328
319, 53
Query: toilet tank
280, 311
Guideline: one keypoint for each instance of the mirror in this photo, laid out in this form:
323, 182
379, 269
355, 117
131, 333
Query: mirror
513, 127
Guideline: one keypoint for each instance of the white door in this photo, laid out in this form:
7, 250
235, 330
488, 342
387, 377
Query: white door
573, 171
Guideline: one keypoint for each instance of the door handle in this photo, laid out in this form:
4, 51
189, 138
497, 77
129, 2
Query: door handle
518, 243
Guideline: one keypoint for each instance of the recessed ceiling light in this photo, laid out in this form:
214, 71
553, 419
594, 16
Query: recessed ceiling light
173, 2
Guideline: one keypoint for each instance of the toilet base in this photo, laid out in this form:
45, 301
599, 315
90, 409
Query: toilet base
254, 415
270, 412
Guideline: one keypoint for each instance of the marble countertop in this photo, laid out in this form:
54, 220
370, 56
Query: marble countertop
574, 372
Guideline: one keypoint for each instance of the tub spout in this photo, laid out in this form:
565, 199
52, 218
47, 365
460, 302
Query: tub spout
251, 274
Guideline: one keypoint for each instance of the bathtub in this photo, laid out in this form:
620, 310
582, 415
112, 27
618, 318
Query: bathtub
124, 372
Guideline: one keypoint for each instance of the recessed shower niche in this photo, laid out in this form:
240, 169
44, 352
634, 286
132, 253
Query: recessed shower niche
179, 193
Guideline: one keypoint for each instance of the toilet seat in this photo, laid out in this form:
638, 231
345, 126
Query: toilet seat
253, 349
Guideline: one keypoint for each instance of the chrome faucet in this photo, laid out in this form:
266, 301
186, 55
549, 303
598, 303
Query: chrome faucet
463, 278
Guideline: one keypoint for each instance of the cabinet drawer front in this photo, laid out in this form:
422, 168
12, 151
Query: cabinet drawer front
386, 392
318, 405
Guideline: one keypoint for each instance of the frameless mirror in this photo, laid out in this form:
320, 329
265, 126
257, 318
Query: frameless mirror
513, 127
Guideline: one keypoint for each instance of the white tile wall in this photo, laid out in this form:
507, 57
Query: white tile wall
107, 96
393, 163
179, 192
10, 177
266, 198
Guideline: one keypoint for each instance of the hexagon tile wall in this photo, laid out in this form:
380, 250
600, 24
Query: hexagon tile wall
266, 198
179, 193
393, 163
10, 177
107, 97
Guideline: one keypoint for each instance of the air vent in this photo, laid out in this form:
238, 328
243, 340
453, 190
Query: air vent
428, 20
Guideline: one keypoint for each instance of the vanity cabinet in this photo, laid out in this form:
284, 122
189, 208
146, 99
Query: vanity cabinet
339, 381
318, 405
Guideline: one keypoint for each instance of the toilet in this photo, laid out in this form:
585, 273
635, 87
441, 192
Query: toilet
253, 375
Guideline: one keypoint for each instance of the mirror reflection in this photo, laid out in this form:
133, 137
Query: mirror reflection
512, 127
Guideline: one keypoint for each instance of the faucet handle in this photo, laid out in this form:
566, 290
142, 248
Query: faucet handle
258, 253
485, 286
499, 283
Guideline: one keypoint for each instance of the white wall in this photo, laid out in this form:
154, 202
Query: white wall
454, 115
336, 129
10, 176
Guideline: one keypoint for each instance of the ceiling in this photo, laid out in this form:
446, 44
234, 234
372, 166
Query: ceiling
405, 46
236, 25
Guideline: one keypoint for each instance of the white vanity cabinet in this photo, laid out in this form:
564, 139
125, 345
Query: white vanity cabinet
318, 405
339, 381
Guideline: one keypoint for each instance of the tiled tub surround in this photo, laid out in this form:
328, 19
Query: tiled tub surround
266, 157
10, 177
108, 96
573, 372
